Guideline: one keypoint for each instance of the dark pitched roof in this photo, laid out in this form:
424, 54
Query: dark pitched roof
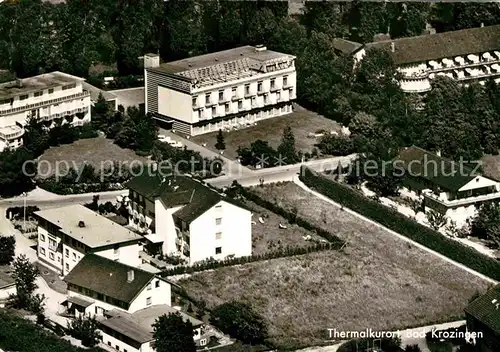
108, 277
440, 171
195, 197
486, 309
345, 46
441, 45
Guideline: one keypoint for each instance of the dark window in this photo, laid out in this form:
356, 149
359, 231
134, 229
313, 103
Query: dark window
157, 283
38, 94
23, 97
51, 90
218, 250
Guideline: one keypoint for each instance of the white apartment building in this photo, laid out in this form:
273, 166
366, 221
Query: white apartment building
53, 98
466, 55
67, 234
445, 186
222, 90
183, 216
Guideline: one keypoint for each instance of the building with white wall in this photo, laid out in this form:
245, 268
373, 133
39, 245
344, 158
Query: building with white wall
134, 332
52, 98
222, 90
444, 185
465, 55
185, 217
67, 234
98, 284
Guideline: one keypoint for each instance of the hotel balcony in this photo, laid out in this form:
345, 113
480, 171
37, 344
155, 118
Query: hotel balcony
44, 103
9, 133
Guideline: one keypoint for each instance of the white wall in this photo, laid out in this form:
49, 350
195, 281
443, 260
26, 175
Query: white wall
165, 227
235, 229
159, 295
175, 104
53, 258
128, 254
479, 182
122, 346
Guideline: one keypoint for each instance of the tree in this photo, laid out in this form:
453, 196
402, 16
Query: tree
173, 334
17, 169
363, 124
486, 223
220, 145
7, 249
413, 348
85, 328
240, 321
25, 274
286, 149
436, 219
335, 145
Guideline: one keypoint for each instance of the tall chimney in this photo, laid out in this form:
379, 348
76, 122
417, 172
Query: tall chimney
482, 24
393, 46
151, 60
130, 276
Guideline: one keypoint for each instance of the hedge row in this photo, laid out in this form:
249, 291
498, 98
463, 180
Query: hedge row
285, 252
290, 216
401, 224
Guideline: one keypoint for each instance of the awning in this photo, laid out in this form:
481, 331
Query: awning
78, 301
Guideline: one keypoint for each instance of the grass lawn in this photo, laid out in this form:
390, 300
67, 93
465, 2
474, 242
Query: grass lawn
377, 282
98, 152
268, 236
301, 121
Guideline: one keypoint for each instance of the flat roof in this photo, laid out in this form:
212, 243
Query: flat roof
31, 84
98, 231
94, 92
228, 64
139, 325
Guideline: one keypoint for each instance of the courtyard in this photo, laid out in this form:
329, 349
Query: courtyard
301, 121
377, 281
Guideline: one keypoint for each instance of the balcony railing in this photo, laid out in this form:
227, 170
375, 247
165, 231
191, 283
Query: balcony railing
463, 201
45, 102
11, 135
63, 114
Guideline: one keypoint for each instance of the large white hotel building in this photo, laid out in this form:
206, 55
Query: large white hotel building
467, 55
226, 89
53, 98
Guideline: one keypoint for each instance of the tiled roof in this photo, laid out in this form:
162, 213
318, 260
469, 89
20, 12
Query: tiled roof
486, 309
441, 45
345, 46
108, 277
440, 171
195, 197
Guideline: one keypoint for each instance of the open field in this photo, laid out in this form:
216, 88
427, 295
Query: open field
377, 282
268, 236
94, 151
301, 121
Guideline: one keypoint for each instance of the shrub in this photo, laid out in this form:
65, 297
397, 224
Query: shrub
240, 321
85, 329
399, 223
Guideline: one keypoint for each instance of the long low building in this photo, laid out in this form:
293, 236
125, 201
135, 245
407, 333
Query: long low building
52, 98
223, 90
465, 55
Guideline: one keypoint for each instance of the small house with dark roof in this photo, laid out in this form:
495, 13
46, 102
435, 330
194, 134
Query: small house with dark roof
483, 319
97, 284
447, 186
465, 55
183, 216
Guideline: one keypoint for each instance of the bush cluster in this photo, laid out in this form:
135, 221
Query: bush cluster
401, 224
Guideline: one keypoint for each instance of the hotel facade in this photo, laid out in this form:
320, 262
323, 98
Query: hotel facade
468, 55
223, 90
52, 98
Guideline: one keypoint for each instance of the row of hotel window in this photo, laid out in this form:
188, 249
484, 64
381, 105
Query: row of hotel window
240, 102
208, 99
37, 94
